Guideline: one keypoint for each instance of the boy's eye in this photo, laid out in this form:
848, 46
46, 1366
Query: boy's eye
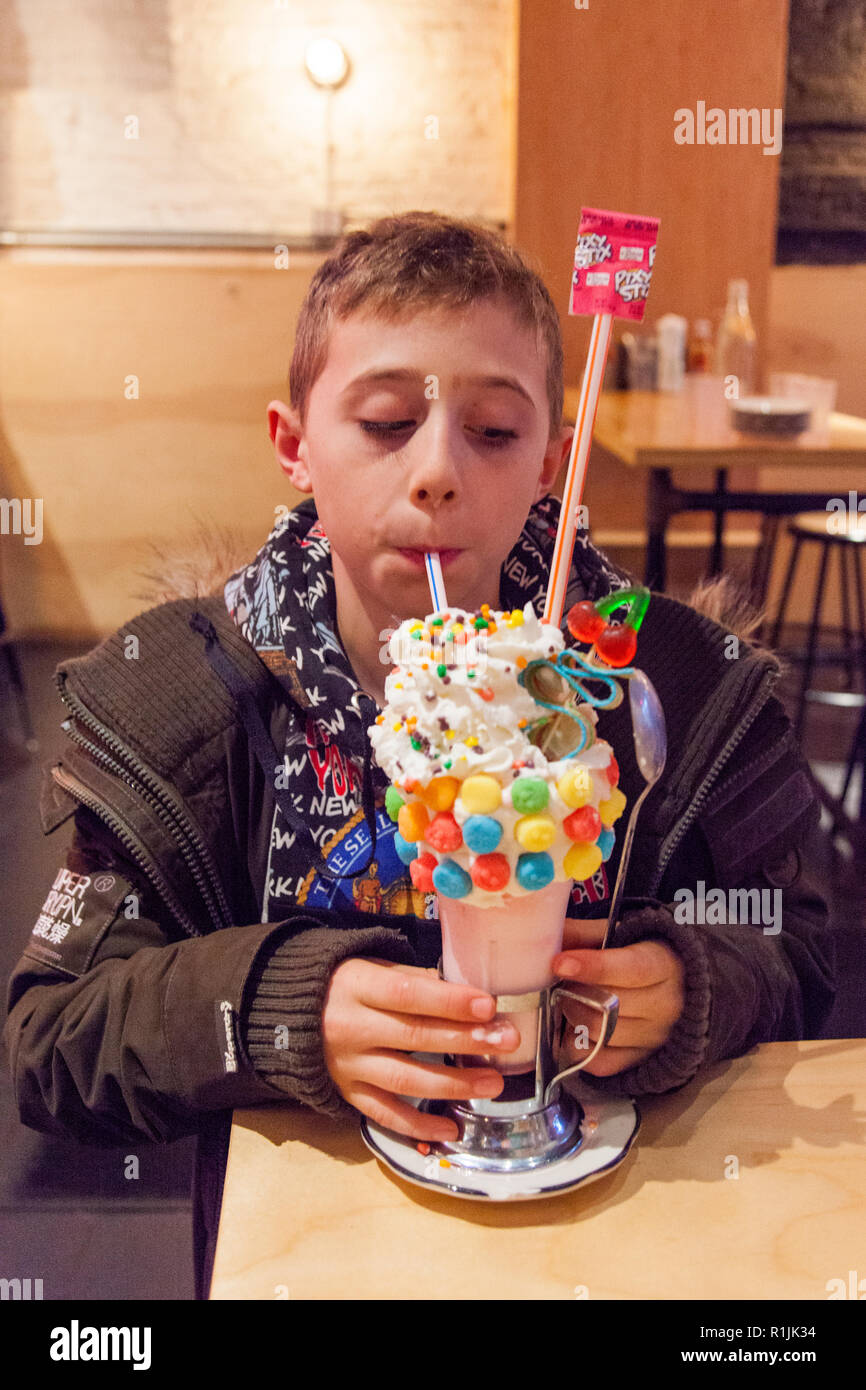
489, 435
385, 426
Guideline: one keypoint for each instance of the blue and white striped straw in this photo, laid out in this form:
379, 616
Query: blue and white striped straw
436, 582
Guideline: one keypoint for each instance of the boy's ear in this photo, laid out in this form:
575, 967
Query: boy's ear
290, 446
555, 457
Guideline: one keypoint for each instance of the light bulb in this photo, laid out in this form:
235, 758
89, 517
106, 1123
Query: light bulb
326, 62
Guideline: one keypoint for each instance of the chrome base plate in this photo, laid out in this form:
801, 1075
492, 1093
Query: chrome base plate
608, 1125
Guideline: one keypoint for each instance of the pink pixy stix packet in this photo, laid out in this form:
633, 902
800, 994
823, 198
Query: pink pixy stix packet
613, 263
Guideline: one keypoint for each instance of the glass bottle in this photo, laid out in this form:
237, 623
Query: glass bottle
700, 350
736, 343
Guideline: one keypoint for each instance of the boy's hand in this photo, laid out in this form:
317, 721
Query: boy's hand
649, 979
376, 1012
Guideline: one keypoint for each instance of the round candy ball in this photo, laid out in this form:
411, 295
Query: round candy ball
583, 824
443, 833
606, 842
529, 794
412, 821
575, 786
421, 872
582, 861
440, 793
406, 852
535, 871
491, 872
611, 809
393, 802
482, 834
535, 832
611, 772
480, 794
450, 880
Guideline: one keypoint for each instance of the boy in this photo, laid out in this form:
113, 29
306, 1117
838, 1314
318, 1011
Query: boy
224, 777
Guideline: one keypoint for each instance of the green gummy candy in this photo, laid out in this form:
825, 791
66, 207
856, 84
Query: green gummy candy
393, 802
529, 794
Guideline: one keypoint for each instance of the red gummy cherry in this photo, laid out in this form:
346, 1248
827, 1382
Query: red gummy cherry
583, 824
443, 833
583, 622
490, 871
421, 873
612, 771
616, 644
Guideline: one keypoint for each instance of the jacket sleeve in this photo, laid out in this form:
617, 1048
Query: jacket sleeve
760, 962
116, 1028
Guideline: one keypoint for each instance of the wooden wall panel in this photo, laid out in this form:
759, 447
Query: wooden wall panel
597, 92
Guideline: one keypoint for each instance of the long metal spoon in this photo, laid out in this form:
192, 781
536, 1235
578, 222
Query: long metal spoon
651, 749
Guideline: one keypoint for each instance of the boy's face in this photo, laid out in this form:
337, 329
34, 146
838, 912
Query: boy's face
397, 451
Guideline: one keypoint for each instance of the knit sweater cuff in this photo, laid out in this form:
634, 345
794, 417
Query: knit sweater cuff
678, 1060
284, 996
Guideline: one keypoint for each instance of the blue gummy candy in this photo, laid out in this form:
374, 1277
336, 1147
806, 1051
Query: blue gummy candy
606, 842
450, 880
406, 851
535, 870
482, 834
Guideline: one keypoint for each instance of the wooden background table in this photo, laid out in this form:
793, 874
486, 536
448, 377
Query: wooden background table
659, 432
309, 1213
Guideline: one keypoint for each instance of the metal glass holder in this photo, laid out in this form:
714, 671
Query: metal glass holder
527, 1127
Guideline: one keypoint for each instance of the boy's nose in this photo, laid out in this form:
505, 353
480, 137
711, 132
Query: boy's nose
432, 493
434, 478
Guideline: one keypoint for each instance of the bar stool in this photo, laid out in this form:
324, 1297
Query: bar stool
848, 540
9, 658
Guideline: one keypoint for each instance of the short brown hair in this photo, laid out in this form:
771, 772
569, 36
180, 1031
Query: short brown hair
412, 261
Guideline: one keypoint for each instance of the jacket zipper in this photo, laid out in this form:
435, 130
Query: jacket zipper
682, 825
147, 786
123, 832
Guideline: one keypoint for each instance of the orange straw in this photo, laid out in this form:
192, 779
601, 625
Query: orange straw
576, 476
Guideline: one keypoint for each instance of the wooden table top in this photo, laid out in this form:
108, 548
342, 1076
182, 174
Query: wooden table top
689, 428
308, 1212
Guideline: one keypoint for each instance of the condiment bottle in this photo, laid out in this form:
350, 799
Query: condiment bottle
736, 344
700, 353
671, 330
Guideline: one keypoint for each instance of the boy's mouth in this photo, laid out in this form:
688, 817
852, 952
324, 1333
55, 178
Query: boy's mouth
416, 557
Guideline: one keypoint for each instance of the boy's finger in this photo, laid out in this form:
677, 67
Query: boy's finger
648, 1002
397, 1115
629, 1032
407, 992
417, 1033
400, 1075
612, 1060
625, 967
583, 932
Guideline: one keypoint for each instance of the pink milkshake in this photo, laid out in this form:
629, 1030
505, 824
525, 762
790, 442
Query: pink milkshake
506, 949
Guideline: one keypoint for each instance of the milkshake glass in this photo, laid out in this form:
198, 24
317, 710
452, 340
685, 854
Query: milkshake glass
507, 948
